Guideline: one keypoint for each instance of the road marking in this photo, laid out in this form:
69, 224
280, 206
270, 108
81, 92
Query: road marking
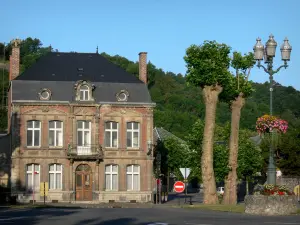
14, 218
197, 224
282, 223
158, 224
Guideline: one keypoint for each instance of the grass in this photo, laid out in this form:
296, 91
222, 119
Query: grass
222, 208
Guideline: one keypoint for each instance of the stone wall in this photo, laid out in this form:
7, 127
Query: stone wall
270, 205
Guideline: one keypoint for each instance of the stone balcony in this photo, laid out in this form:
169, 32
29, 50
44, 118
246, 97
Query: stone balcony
85, 152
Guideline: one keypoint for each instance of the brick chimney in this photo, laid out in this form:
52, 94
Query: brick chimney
143, 66
14, 59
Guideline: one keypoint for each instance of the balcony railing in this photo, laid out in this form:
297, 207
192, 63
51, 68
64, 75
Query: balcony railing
86, 151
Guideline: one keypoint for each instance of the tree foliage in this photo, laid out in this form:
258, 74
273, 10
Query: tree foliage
207, 64
239, 81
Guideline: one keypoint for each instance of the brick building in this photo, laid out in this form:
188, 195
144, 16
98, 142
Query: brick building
82, 124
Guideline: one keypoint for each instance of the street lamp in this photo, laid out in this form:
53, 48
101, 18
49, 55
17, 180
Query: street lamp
268, 53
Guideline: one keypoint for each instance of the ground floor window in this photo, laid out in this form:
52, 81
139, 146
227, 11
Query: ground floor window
55, 176
133, 177
33, 176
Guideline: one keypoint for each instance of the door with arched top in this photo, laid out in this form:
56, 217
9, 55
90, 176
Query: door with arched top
84, 183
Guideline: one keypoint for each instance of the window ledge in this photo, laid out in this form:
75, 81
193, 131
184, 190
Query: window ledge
111, 149
56, 148
133, 149
32, 147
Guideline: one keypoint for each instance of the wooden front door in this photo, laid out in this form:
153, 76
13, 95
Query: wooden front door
84, 183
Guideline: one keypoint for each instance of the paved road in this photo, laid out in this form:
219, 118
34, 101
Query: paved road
135, 216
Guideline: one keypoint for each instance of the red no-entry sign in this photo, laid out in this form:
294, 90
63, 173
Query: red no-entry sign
179, 186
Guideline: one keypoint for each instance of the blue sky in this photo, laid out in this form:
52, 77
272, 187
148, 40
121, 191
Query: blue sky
163, 28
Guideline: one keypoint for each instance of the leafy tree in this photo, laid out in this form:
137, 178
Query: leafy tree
287, 150
236, 93
194, 141
250, 159
207, 67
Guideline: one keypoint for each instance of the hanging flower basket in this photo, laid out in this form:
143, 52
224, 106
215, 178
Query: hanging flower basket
268, 124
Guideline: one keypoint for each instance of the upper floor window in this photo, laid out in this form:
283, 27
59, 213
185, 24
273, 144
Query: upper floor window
83, 133
84, 138
84, 93
133, 177
84, 90
33, 133
133, 134
55, 176
111, 177
33, 176
55, 133
111, 134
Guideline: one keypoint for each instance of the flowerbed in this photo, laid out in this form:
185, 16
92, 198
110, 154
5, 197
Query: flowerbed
270, 189
271, 200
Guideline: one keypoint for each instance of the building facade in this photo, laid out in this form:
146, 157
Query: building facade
82, 124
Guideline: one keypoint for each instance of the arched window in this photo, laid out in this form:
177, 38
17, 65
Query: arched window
84, 93
111, 177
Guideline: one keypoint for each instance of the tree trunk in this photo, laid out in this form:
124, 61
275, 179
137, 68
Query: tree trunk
210, 95
230, 195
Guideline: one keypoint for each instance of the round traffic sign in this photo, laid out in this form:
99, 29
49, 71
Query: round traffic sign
179, 186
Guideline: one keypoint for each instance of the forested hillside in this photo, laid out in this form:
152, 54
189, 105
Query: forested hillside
178, 105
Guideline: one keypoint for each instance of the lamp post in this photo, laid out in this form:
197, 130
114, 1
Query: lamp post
267, 53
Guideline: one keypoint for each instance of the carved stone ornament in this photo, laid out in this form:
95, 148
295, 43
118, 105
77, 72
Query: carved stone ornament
45, 109
122, 96
45, 94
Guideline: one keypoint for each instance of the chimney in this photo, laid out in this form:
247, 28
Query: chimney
14, 59
143, 66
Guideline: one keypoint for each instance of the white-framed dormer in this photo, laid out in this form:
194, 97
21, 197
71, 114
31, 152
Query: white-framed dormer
84, 91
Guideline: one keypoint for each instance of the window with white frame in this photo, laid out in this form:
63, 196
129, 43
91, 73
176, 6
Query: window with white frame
55, 133
111, 134
111, 177
133, 135
83, 133
33, 133
84, 93
133, 177
33, 176
55, 176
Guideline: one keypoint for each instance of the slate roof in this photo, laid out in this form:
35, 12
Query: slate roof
57, 66
162, 135
60, 71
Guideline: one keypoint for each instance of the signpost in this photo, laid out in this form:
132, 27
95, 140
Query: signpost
179, 187
44, 188
185, 173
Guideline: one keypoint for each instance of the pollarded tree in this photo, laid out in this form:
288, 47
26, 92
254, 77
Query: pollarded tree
207, 67
235, 94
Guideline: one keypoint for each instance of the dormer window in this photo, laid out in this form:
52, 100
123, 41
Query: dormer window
84, 91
